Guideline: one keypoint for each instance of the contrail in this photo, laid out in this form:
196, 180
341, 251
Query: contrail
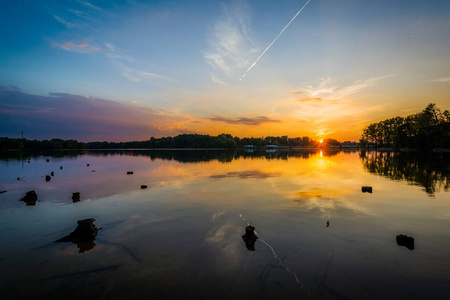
270, 45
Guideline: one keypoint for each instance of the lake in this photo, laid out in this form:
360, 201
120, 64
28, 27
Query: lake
317, 235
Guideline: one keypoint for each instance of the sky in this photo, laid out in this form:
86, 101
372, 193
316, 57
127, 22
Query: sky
99, 70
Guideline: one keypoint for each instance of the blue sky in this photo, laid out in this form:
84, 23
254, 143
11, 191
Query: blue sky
338, 66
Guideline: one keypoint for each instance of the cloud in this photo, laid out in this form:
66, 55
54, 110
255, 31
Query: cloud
77, 47
316, 99
79, 13
216, 79
124, 63
10, 88
327, 88
89, 5
443, 79
231, 48
60, 115
244, 120
64, 21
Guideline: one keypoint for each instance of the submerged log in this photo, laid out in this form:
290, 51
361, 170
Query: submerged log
250, 238
84, 235
30, 198
404, 240
366, 189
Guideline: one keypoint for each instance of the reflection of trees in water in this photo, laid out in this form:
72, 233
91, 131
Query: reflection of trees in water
429, 170
183, 156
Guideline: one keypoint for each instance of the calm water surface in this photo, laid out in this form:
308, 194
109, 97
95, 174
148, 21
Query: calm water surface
181, 238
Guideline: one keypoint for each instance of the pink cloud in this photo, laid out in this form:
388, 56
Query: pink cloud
81, 47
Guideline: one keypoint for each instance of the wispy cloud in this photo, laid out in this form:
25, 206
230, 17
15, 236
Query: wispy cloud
231, 47
89, 5
79, 47
11, 88
244, 120
62, 20
124, 63
328, 89
314, 99
79, 13
328, 107
216, 79
443, 79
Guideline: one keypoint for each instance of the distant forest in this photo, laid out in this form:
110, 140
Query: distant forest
179, 141
427, 129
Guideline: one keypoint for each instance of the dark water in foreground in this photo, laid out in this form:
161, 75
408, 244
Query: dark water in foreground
181, 238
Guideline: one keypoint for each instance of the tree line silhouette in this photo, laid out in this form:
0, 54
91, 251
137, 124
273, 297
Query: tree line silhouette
427, 129
180, 141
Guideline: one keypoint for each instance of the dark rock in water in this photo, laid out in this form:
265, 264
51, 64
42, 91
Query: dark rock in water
76, 197
1, 192
52, 173
250, 238
30, 198
93, 171
47, 160
404, 240
18, 178
143, 186
47, 178
60, 167
129, 172
328, 223
28, 161
366, 189
84, 235
87, 165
